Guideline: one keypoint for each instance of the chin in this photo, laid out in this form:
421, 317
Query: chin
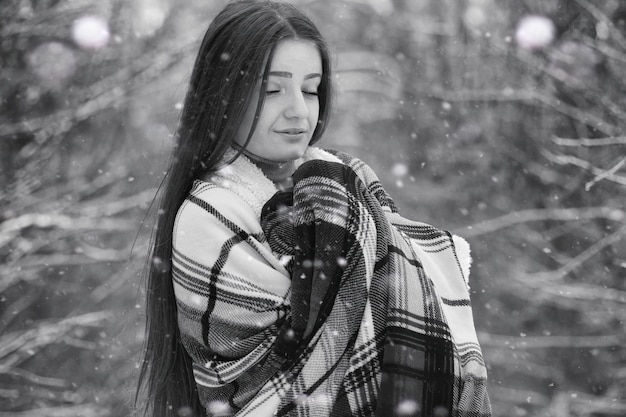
296, 153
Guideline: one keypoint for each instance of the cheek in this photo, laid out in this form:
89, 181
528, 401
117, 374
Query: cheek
314, 111
244, 129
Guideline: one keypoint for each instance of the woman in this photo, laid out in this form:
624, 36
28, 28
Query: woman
283, 281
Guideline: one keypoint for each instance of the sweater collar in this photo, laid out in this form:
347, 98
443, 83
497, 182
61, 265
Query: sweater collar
247, 181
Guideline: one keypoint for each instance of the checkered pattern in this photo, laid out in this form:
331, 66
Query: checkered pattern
331, 305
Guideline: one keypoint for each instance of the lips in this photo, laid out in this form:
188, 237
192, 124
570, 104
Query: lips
292, 131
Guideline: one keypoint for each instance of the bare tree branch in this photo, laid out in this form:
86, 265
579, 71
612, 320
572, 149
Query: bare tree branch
581, 163
536, 215
516, 396
589, 142
38, 379
549, 101
577, 114
42, 262
576, 292
18, 346
479, 95
601, 17
103, 94
609, 172
583, 116
605, 48
11, 228
83, 410
15, 308
494, 341
111, 208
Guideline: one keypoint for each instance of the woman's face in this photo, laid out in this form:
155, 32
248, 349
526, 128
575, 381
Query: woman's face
291, 109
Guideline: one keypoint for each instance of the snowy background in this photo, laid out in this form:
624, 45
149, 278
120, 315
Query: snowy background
502, 121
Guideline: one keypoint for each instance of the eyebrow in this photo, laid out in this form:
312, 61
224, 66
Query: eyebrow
286, 74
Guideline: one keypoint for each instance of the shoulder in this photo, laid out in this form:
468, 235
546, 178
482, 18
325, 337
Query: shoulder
209, 206
217, 236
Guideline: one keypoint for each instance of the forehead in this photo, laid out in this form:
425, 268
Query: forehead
297, 56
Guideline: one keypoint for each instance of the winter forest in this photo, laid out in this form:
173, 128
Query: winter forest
501, 121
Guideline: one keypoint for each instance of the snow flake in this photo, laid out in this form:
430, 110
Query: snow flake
90, 32
149, 17
184, 411
474, 16
534, 32
218, 408
399, 169
407, 408
52, 62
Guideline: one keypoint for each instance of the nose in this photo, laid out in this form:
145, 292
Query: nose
297, 106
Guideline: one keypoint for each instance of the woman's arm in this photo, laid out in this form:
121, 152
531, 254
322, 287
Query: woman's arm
231, 291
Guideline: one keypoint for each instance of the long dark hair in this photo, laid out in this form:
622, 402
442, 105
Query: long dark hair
235, 54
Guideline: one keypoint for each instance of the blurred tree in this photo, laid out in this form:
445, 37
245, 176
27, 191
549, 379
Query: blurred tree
69, 207
531, 135
503, 120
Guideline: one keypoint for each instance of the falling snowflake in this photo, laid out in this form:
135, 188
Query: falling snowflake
342, 262
534, 32
52, 62
218, 408
184, 412
441, 411
474, 16
91, 32
301, 399
399, 169
148, 17
407, 408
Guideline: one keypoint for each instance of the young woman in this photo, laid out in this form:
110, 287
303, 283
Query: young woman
282, 279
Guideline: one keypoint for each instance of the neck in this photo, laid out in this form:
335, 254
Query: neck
277, 172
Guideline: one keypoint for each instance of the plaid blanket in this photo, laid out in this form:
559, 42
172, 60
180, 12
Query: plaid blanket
331, 305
